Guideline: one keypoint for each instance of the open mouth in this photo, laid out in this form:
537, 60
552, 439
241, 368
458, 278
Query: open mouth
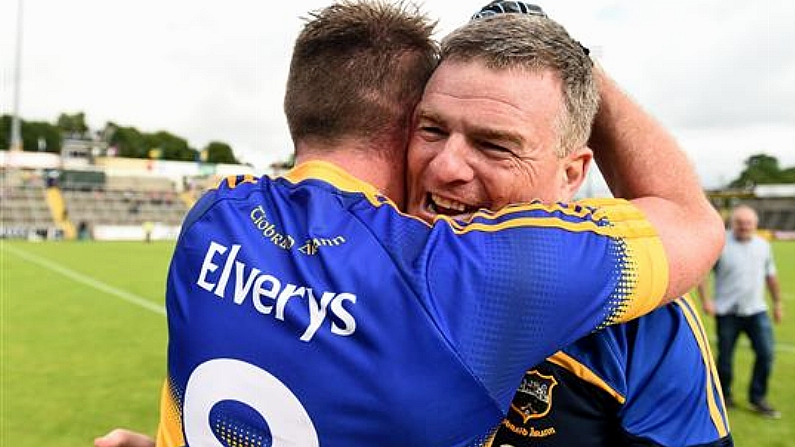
448, 207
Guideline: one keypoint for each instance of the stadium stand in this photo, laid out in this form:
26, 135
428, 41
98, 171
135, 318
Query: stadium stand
46, 196
45, 208
24, 212
143, 200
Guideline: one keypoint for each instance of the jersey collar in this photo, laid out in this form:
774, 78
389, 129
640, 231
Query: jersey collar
330, 173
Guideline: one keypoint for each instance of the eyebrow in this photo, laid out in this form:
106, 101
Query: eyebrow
430, 116
474, 131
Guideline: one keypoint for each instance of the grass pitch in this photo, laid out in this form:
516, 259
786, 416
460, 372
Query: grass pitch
83, 340
79, 355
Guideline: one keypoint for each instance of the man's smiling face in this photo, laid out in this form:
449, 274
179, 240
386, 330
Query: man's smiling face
487, 138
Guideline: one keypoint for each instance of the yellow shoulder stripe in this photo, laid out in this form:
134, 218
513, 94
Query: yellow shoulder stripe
619, 212
569, 210
232, 182
721, 424
688, 300
628, 231
569, 363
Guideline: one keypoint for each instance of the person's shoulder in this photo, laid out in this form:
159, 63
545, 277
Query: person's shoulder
759, 239
761, 243
615, 211
235, 185
231, 187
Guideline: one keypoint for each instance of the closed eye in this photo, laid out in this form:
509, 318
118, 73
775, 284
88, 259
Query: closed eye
495, 149
431, 133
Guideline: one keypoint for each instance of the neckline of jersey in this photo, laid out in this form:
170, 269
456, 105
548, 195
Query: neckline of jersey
332, 174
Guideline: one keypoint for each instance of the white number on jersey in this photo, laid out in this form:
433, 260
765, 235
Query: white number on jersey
228, 379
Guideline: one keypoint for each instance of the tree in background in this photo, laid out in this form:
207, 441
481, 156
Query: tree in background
219, 152
41, 136
171, 146
761, 169
74, 126
5, 132
130, 142
127, 140
36, 135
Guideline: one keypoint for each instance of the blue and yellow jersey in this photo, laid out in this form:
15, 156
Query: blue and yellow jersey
307, 310
649, 382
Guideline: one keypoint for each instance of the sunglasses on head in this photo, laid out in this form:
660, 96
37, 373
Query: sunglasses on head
506, 7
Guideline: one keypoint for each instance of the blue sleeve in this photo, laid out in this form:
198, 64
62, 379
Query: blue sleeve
509, 288
674, 396
661, 371
521, 285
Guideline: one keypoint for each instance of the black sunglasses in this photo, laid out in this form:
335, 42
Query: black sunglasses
505, 7
508, 7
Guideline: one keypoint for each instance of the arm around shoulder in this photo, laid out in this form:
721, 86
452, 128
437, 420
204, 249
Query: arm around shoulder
643, 163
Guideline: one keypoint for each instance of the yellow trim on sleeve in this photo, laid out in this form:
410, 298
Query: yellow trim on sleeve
650, 266
570, 210
625, 220
646, 271
553, 222
569, 363
169, 431
696, 327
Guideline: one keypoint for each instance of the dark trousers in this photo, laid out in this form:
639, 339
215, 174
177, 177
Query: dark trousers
760, 332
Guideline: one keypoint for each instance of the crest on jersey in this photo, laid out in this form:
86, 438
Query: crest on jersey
533, 399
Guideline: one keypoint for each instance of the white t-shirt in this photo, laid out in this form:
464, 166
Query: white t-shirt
740, 276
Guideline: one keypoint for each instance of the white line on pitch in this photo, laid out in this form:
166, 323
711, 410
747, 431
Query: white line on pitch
89, 281
785, 347
778, 346
148, 305
744, 343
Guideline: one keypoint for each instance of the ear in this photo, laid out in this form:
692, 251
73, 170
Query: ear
575, 168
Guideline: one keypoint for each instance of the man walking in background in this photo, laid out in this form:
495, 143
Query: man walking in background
743, 270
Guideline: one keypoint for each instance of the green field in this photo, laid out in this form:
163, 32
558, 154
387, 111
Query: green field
83, 344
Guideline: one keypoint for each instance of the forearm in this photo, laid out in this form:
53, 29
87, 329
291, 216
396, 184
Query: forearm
774, 289
642, 162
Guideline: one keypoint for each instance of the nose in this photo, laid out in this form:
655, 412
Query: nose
453, 163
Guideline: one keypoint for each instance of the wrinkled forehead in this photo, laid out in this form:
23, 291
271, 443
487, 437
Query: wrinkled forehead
515, 85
